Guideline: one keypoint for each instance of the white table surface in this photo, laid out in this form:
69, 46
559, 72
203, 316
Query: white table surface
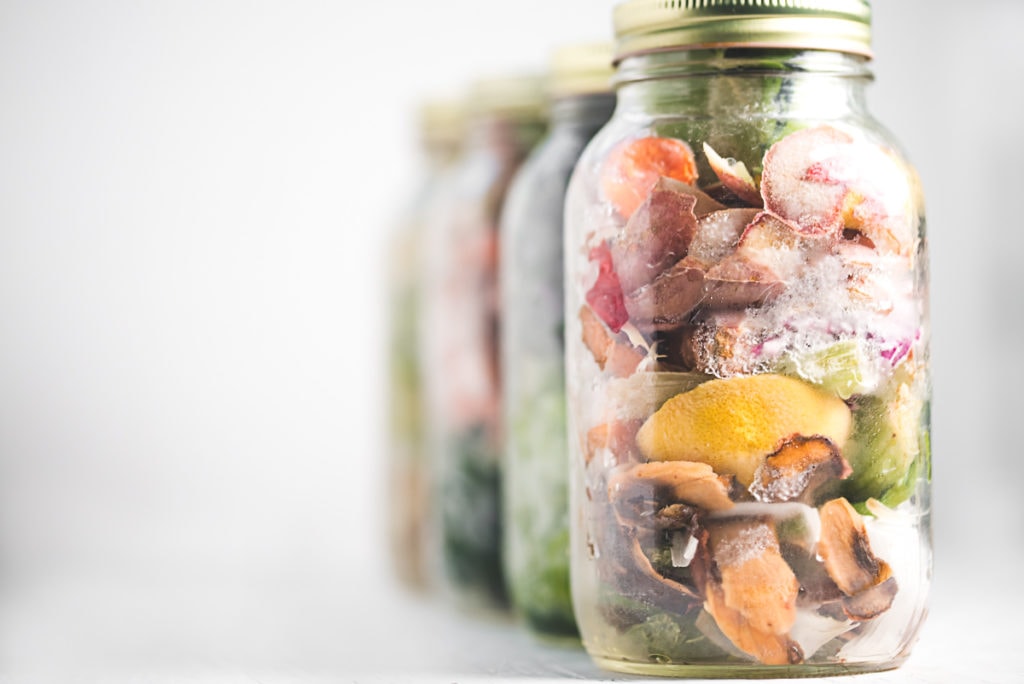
963, 641
363, 629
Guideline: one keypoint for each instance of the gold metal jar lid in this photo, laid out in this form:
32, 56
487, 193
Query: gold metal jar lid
651, 25
442, 121
581, 69
518, 97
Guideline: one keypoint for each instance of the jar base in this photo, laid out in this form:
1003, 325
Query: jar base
551, 628
560, 640
741, 671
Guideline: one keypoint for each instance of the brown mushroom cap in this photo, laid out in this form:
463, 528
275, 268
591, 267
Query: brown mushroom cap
723, 344
845, 550
871, 602
686, 482
799, 470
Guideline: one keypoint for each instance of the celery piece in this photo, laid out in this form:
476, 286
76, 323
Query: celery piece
841, 368
884, 448
902, 491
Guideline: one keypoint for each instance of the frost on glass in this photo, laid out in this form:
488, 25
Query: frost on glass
748, 398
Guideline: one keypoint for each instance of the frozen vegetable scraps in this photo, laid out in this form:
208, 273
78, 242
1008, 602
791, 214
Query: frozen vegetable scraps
635, 166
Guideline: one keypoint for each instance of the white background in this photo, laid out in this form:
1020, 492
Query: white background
194, 202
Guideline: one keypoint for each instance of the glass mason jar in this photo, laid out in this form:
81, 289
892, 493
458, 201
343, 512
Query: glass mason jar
440, 129
747, 352
535, 476
461, 335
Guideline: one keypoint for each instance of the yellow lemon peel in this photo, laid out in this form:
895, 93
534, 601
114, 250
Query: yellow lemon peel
733, 424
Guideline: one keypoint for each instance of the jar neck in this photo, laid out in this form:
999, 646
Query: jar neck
504, 135
440, 152
585, 112
703, 83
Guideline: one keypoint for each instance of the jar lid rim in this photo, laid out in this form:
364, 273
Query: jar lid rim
581, 69
649, 25
442, 119
519, 96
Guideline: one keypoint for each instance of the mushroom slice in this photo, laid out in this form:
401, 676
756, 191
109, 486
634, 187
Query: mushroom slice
799, 471
846, 552
872, 602
755, 578
627, 569
750, 590
766, 647
657, 581
816, 587
677, 516
735, 176
645, 512
686, 482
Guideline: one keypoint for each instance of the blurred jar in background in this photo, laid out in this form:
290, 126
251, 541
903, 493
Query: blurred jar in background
747, 352
535, 478
506, 118
441, 124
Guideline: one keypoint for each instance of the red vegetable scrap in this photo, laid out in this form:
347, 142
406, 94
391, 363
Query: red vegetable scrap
666, 302
633, 168
808, 194
605, 296
662, 283
618, 357
657, 235
827, 183
779, 246
618, 437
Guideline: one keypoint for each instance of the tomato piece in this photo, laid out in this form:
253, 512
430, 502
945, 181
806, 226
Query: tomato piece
634, 167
